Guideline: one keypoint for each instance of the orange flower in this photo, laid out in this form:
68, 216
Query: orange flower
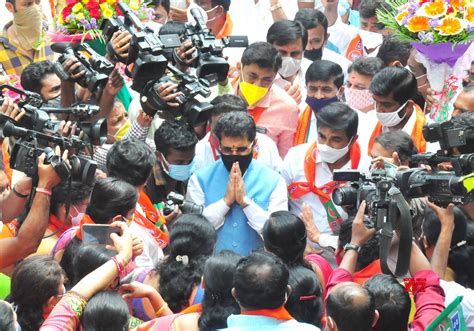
458, 3
435, 9
450, 26
469, 14
418, 23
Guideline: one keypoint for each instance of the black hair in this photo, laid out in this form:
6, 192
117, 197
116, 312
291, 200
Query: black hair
106, 311
338, 116
164, 3
284, 234
175, 134
366, 66
391, 301
34, 281
227, 103
369, 252
111, 197
284, 32
236, 124
368, 8
7, 318
394, 49
305, 301
466, 121
325, 71
398, 141
78, 193
192, 235
89, 258
460, 254
395, 81
260, 281
262, 54
224, 3
344, 306
312, 18
130, 160
218, 302
33, 75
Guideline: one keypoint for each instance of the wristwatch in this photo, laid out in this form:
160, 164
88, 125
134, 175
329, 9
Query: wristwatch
350, 246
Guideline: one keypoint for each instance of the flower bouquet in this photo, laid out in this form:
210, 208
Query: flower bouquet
442, 32
80, 20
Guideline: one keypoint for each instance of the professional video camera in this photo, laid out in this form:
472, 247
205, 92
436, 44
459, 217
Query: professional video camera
146, 48
442, 187
210, 60
174, 199
387, 210
195, 111
95, 66
26, 151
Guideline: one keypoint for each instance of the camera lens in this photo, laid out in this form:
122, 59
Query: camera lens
345, 196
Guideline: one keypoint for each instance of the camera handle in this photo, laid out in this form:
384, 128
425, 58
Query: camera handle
397, 203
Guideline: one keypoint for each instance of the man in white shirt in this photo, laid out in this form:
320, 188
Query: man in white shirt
290, 39
394, 90
207, 149
308, 168
238, 192
316, 25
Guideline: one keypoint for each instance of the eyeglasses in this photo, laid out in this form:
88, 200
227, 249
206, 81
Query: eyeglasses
238, 150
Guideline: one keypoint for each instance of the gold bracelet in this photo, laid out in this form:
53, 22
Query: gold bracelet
275, 7
162, 308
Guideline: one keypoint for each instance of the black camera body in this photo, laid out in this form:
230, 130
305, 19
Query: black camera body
190, 107
146, 48
174, 199
96, 67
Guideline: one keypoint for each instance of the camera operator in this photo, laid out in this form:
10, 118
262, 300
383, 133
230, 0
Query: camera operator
175, 151
40, 77
33, 228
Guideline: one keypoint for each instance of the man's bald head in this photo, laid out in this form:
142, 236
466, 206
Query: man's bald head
351, 307
260, 281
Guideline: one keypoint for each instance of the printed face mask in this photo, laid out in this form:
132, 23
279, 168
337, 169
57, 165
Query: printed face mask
358, 99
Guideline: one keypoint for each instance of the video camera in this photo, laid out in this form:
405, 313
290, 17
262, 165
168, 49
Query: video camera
26, 151
146, 48
442, 187
195, 111
387, 210
174, 199
96, 67
210, 60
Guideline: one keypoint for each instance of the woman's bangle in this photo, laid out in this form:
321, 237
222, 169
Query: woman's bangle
18, 194
120, 266
44, 191
162, 308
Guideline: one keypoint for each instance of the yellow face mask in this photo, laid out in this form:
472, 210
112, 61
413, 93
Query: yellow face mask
252, 93
122, 131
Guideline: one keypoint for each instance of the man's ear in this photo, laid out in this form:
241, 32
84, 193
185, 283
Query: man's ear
376, 318
10, 7
220, 11
159, 156
396, 63
354, 139
340, 92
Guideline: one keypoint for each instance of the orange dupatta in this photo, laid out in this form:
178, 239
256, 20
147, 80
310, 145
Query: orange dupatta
85, 220
149, 219
416, 134
278, 313
302, 129
355, 49
298, 189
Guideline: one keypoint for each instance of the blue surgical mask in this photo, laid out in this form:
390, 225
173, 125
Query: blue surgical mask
179, 172
317, 104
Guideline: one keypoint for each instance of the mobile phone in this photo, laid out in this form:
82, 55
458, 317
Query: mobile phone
98, 234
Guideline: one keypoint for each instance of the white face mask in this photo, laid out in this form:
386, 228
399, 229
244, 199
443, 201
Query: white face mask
76, 220
391, 119
330, 155
289, 66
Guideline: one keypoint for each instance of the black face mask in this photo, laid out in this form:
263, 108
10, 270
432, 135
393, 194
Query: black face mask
314, 54
53, 103
244, 161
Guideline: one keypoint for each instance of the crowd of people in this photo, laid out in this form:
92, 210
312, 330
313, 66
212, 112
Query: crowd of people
231, 223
